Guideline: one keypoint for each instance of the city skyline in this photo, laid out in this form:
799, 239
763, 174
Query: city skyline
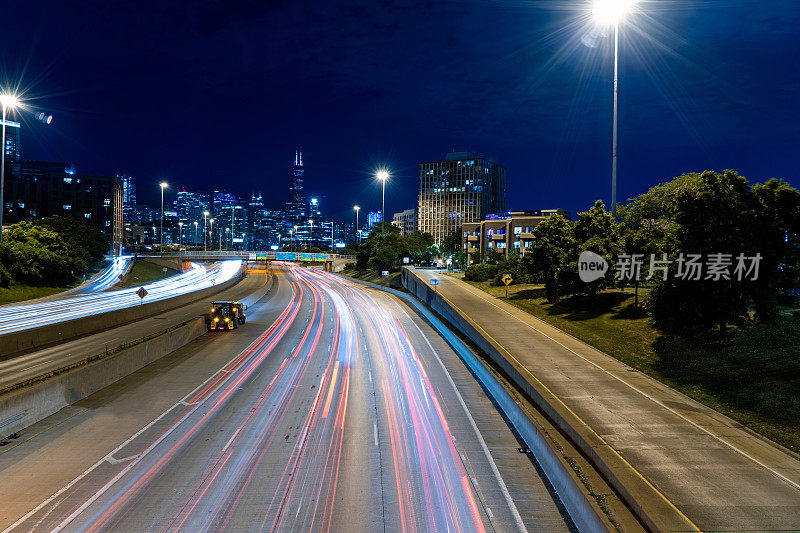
706, 120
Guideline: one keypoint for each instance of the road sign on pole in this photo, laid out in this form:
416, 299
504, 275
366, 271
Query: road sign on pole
434, 282
507, 279
142, 292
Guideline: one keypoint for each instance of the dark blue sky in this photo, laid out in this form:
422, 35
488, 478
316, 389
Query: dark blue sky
217, 94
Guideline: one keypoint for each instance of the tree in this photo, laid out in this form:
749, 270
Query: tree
36, 255
553, 242
720, 213
596, 231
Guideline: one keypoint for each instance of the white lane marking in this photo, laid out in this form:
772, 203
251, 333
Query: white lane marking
489, 512
375, 432
503, 488
370, 375
632, 387
89, 470
118, 461
231, 439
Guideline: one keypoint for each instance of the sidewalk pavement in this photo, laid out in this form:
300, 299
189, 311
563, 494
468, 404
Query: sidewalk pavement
689, 467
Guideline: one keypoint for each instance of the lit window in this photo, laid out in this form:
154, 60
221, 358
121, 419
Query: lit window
87, 215
66, 207
107, 202
517, 230
67, 180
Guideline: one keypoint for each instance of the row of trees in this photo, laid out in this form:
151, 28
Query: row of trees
698, 213
385, 248
49, 251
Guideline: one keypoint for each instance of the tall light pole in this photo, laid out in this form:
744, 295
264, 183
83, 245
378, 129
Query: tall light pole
295, 239
358, 233
612, 12
211, 233
180, 236
205, 216
7, 100
310, 233
383, 175
195, 232
228, 242
163, 186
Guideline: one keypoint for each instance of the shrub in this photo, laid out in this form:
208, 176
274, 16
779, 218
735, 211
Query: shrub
480, 272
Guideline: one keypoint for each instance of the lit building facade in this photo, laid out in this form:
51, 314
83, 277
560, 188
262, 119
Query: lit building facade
373, 217
189, 207
230, 226
296, 205
463, 188
405, 221
38, 189
505, 234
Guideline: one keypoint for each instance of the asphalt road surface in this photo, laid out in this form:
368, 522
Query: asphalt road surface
334, 407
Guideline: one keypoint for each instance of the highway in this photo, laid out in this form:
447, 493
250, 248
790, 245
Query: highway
334, 407
108, 277
26, 316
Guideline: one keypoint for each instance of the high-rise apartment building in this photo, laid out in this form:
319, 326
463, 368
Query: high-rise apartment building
189, 207
296, 207
465, 187
37, 189
405, 221
11, 150
128, 199
230, 226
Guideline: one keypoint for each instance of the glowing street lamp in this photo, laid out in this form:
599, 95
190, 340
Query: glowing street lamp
211, 233
311, 233
358, 232
7, 101
163, 186
180, 236
195, 232
383, 175
205, 216
227, 239
606, 13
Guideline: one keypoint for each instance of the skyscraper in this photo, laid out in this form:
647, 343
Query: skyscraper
465, 187
296, 207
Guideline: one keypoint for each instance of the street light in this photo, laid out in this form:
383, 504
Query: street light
383, 175
211, 233
227, 239
310, 233
195, 232
295, 239
7, 100
611, 12
180, 236
163, 186
205, 215
358, 233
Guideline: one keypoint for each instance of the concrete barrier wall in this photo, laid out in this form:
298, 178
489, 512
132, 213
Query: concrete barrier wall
22, 408
582, 511
657, 516
18, 341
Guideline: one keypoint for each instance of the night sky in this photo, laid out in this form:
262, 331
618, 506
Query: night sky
218, 94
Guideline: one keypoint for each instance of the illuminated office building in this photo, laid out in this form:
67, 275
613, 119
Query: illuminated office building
465, 187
